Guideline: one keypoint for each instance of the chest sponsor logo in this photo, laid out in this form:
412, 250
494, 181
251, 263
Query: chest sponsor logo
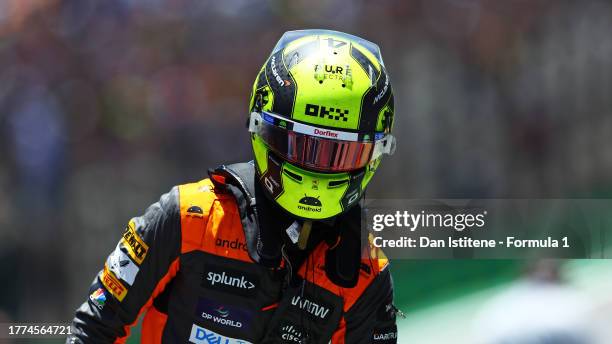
113, 285
315, 309
230, 280
200, 335
233, 244
136, 247
290, 333
122, 266
224, 315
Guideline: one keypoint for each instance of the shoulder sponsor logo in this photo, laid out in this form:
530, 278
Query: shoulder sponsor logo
201, 335
235, 244
137, 249
196, 211
113, 285
122, 266
311, 307
229, 280
98, 298
223, 314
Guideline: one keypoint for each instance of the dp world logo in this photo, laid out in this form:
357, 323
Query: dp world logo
223, 313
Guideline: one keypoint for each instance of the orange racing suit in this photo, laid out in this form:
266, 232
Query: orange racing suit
191, 265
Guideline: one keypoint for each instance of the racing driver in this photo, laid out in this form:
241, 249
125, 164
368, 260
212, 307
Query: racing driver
272, 250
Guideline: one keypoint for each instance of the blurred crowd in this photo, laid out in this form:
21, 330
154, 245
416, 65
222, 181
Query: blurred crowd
104, 105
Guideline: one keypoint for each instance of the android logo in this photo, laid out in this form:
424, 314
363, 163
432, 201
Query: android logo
311, 201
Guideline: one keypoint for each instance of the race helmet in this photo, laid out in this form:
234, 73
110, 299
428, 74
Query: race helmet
320, 122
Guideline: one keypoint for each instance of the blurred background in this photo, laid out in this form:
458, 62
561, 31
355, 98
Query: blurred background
104, 105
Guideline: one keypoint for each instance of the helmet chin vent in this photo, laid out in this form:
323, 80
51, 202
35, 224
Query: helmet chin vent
336, 183
293, 176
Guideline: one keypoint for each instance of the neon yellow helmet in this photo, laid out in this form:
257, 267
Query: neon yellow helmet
321, 119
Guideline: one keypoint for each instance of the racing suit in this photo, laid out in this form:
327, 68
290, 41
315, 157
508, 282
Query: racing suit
193, 265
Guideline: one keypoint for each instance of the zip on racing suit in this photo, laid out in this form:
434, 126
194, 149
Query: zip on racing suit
194, 265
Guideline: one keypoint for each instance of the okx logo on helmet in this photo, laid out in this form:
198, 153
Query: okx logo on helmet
321, 119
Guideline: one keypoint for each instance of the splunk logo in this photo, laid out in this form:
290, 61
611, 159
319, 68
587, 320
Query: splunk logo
237, 282
317, 310
230, 281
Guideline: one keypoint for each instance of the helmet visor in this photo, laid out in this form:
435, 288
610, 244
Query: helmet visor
318, 149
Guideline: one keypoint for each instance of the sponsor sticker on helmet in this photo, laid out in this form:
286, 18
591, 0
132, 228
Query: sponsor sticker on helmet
201, 335
309, 203
325, 133
326, 112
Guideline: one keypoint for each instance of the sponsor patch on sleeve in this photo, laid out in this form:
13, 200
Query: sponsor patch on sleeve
122, 266
98, 298
136, 247
112, 284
